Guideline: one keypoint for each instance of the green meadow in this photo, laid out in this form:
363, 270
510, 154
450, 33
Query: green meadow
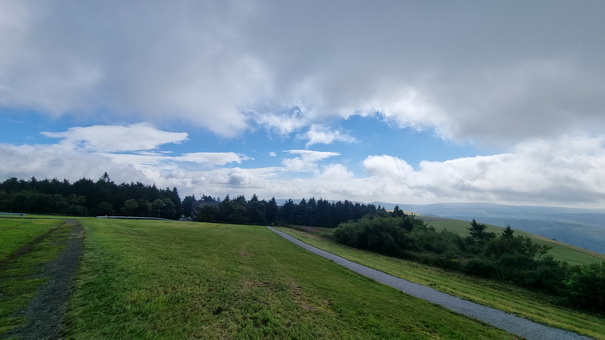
177, 280
183, 280
23, 252
17, 232
531, 305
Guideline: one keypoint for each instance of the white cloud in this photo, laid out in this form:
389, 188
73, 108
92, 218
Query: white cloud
52, 161
55, 161
387, 166
506, 74
282, 123
565, 172
212, 158
127, 153
335, 173
521, 100
307, 160
160, 161
220, 181
493, 73
116, 138
319, 134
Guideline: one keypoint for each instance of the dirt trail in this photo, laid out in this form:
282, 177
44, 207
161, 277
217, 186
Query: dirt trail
46, 311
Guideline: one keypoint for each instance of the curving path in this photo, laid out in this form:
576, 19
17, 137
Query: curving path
508, 322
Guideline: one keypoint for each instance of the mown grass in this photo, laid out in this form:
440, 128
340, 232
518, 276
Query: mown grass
21, 277
16, 232
530, 305
171, 280
560, 251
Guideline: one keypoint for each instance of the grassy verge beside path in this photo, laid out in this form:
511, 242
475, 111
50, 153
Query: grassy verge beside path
17, 232
21, 264
170, 280
508, 298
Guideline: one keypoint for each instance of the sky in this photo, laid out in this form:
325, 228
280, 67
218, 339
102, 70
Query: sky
394, 101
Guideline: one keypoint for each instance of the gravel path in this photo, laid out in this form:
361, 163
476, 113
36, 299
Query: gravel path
508, 322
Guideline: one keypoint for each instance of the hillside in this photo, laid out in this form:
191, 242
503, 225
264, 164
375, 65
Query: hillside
560, 250
166, 279
177, 280
531, 305
584, 228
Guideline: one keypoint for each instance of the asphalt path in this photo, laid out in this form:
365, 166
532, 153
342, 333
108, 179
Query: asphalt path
513, 324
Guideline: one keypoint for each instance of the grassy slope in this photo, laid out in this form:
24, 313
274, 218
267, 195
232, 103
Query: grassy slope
162, 280
501, 296
15, 232
559, 251
20, 278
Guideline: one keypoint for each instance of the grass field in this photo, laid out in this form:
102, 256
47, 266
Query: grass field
17, 232
501, 296
20, 273
559, 251
174, 280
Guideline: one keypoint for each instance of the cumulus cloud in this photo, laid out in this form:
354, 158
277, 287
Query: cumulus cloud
387, 166
306, 161
563, 171
493, 73
116, 138
52, 161
516, 75
282, 123
137, 144
319, 134
144, 60
128, 153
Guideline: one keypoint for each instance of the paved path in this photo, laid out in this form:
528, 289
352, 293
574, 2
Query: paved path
508, 322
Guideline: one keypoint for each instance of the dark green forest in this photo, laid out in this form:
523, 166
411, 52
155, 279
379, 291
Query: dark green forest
86, 197
311, 212
505, 257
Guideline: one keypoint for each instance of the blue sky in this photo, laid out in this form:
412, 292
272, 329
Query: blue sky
401, 102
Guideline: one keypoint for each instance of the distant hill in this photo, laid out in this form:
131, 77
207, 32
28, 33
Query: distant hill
583, 228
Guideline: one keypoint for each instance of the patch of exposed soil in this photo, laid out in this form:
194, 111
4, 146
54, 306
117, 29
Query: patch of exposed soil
46, 311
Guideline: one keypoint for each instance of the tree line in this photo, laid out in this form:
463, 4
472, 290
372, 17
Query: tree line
504, 257
312, 212
86, 197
